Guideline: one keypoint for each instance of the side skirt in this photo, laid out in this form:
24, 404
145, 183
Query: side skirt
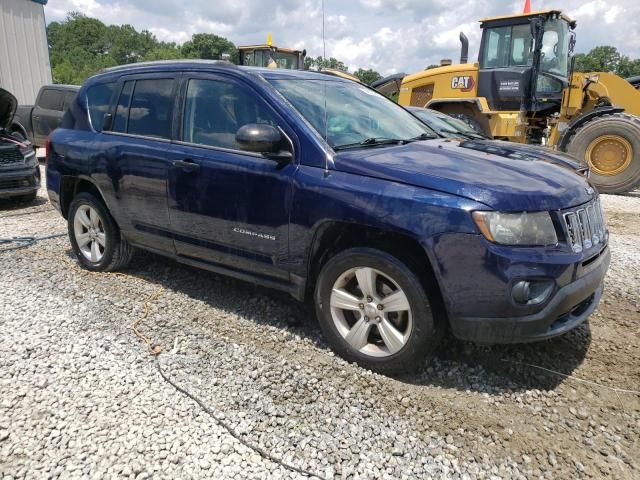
296, 290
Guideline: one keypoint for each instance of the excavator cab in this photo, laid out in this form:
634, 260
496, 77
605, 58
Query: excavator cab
270, 56
524, 60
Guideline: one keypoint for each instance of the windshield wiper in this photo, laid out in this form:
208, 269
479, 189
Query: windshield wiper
371, 142
422, 136
375, 141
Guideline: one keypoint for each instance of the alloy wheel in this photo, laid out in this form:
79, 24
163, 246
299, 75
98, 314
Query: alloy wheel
89, 232
371, 312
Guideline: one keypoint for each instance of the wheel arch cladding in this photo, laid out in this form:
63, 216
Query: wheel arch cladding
333, 237
72, 186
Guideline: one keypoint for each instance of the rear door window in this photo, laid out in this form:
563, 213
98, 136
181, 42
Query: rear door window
99, 101
151, 108
50, 99
122, 109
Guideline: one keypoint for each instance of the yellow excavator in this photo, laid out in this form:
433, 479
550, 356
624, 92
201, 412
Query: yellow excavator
524, 89
270, 56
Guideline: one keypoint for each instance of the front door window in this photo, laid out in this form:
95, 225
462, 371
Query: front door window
215, 110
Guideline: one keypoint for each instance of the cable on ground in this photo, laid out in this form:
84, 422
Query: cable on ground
233, 432
22, 214
153, 349
24, 242
571, 377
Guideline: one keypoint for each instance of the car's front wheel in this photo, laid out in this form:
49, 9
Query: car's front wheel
374, 311
95, 237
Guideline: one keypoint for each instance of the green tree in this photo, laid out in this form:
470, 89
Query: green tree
126, 45
319, 63
600, 59
607, 59
80, 31
80, 46
367, 76
210, 46
164, 51
628, 67
584, 63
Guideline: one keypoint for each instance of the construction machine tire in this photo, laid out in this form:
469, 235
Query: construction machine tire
610, 146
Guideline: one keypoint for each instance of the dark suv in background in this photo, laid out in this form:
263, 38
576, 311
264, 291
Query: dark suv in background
325, 189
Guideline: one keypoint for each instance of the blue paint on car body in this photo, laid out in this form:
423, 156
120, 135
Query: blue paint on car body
245, 215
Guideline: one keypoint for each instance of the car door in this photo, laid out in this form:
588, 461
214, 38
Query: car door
46, 114
137, 155
228, 206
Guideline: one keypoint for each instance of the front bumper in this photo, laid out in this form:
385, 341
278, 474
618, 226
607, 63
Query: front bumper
19, 181
569, 307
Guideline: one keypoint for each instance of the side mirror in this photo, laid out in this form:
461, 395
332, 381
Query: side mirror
262, 138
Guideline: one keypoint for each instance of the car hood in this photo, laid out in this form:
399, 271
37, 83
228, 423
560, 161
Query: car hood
517, 150
502, 181
8, 105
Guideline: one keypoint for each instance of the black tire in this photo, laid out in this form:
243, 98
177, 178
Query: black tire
117, 251
426, 332
619, 124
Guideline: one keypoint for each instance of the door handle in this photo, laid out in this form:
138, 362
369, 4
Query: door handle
187, 165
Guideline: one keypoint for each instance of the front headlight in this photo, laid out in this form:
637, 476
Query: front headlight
517, 228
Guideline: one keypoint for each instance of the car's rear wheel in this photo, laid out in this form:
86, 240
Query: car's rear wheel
95, 238
374, 311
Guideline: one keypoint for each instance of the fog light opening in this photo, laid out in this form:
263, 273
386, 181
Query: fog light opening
521, 292
531, 292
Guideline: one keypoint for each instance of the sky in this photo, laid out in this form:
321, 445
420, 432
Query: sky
389, 36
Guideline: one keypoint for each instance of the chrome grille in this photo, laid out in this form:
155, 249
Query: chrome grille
585, 226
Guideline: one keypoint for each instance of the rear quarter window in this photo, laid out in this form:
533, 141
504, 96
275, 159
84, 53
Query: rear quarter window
99, 102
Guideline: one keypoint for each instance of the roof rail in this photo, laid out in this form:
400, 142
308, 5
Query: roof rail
221, 63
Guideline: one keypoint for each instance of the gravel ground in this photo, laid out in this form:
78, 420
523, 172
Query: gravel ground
82, 397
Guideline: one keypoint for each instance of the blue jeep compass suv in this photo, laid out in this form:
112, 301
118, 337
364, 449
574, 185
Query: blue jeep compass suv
324, 188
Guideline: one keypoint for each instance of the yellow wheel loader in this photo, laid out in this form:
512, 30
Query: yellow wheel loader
523, 89
270, 56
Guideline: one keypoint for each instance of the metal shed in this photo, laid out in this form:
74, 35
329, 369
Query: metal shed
24, 52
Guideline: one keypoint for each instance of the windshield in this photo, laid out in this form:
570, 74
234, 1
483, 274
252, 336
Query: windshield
354, 113
286, 60
555, 48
